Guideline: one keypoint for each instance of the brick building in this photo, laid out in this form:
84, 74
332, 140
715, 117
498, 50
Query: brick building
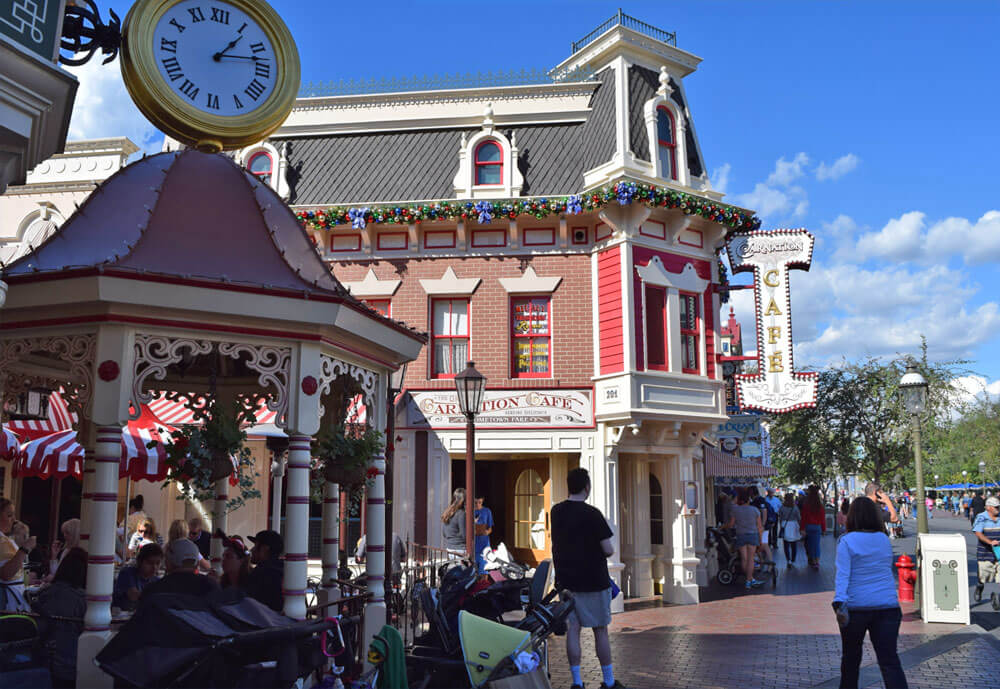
562, 233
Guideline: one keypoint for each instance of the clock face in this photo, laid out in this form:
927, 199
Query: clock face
215, 57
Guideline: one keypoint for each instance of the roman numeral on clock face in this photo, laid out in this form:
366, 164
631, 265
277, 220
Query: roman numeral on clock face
189, 89
257, 47
168, 46
213, 101
254, 89
196, 14
239, 104
219, 15
263, 70
173, 67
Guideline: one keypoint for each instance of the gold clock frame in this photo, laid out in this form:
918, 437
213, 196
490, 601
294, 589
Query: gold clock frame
168, 111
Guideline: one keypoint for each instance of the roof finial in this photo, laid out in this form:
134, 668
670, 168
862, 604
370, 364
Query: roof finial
665, 88
488, 118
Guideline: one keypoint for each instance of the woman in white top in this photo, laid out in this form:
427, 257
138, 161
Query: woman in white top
145, 533
14, 551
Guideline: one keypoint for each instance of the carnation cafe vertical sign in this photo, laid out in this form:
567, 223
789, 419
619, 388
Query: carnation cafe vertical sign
776, 387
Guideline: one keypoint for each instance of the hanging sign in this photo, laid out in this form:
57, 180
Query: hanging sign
743, 427
559, 408
776, 387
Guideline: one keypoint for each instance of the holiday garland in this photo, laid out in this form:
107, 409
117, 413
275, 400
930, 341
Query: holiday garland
623, 193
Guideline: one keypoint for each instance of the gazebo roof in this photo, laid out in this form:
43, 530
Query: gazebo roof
189, 215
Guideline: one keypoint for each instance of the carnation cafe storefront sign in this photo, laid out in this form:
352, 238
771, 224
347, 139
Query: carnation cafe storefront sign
503, 409
776, 387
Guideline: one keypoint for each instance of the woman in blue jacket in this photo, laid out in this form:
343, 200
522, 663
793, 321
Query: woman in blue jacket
865, 600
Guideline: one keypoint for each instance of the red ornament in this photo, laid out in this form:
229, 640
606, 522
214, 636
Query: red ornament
309, 385
108, 371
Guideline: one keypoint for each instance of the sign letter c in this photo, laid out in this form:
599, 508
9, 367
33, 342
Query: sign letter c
769, 276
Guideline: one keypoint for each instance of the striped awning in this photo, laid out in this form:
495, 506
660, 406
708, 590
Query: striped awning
177, 414
719, 463
60, 419
10, 444
52, 456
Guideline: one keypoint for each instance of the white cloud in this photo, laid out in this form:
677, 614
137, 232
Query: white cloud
841, 226
908, 238
720, 177
840, 167
787, 171
901, 239
103, 108
770, 202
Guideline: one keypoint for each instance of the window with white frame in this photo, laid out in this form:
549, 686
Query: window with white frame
690, 322
450, 335
489, 163
532, 334
656, 328
666, 142
261, 166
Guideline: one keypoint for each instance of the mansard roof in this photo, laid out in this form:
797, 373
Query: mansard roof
406, 165
642, 85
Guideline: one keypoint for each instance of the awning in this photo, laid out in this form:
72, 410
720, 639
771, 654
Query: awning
719, 463
176, 414
10, 444
59, 419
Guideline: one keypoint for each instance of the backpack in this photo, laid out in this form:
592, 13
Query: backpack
772, 516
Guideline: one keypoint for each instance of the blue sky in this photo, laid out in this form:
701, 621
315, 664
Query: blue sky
873, 124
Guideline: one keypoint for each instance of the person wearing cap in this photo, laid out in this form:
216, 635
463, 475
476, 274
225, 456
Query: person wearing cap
264, 582
235, 562
181, 557
987, 530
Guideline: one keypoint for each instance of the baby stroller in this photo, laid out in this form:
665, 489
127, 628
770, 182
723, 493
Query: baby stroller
730, 565
221, 640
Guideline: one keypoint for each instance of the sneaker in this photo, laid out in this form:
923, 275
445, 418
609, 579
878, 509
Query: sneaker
756, 582
616, 685
978, 596
747, 586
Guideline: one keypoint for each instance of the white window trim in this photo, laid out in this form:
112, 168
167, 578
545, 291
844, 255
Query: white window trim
655, 273
372, 287
662, 98
450, 285
465, 180
530, 283
279, 165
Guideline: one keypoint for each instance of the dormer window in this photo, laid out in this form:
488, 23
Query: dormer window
489, 163
666, 141
261, 166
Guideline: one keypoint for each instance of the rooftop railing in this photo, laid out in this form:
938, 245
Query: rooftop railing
444, 82
622, 19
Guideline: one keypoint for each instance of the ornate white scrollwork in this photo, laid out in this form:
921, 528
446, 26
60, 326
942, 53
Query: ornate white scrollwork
153, 354
195, 402
76, 350
274, 365
331, 369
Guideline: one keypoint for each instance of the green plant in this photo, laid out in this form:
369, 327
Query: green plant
198, 456
343, 454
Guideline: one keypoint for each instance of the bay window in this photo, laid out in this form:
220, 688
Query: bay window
531, 337
656, 328
690, 333
450, 336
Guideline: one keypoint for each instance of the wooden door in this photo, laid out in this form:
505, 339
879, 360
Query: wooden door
529, 494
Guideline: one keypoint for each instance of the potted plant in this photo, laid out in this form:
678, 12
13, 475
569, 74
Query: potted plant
198, 456
343, 454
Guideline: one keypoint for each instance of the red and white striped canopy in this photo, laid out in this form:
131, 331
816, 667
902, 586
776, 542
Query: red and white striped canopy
60, 419
59, 454
176, 414
10, 444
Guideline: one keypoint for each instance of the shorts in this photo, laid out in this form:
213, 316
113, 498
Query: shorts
987, 572
743, 539
592, 608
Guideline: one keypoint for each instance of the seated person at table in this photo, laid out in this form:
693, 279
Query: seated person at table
182, 562
235, 563
64, 597
134, 578
264, 582
179, 529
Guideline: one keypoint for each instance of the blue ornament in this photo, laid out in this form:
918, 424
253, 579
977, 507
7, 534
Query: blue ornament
574, 205
357, 216
485, 211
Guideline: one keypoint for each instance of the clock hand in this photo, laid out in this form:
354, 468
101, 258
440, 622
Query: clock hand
241, 57
222, 53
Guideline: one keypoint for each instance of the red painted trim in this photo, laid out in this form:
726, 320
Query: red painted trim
429, 233
404, 235
434, 337
551, 241
696, 333
383, 306
662, 233
483, 164
663, 345
611, 340
476, 233
701, 239
671, 146
335, 237
597, 231
262, 173
548, 336
586, 235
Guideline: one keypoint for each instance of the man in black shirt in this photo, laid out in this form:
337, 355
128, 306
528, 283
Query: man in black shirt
181, 558
978, 506
264, 582
201, 538
581, 546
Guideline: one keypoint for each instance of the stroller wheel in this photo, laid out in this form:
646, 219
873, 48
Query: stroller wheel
725, 577
995, 600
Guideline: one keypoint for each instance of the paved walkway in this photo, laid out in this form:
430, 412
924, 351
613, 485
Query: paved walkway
781, 638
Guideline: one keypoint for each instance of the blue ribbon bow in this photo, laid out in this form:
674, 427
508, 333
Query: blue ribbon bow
485, 211
357, 216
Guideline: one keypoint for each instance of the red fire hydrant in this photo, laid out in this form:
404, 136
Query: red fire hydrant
907, 577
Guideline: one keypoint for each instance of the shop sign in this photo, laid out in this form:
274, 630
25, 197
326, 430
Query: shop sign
742, 427
750, 448
776, 387
503, 409
34, 25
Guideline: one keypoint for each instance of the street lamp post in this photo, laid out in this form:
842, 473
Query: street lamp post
396, 379
965, 479
471, 386
913, 387
982, 476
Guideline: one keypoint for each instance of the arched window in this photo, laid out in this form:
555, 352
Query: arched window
489, 163
529, 511
655, 511
666, 138
260, 166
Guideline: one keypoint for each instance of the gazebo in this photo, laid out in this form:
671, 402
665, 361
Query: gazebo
184, 274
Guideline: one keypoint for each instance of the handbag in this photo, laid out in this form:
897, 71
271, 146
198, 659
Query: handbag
791, 531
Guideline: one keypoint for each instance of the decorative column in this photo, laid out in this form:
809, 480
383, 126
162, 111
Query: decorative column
331, 542
604, 496
296, 526
100, 526
219, 521
375, 612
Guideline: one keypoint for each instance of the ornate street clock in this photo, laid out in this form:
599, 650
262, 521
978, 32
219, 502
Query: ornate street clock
212, 74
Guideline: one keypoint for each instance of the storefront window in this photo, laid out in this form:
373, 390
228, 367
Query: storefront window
529, 511
451, 336
532, 337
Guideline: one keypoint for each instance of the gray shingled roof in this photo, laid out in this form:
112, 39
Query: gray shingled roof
421, 164
642, 85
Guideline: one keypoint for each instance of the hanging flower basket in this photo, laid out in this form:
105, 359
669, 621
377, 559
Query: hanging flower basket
345, 475
343, 454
